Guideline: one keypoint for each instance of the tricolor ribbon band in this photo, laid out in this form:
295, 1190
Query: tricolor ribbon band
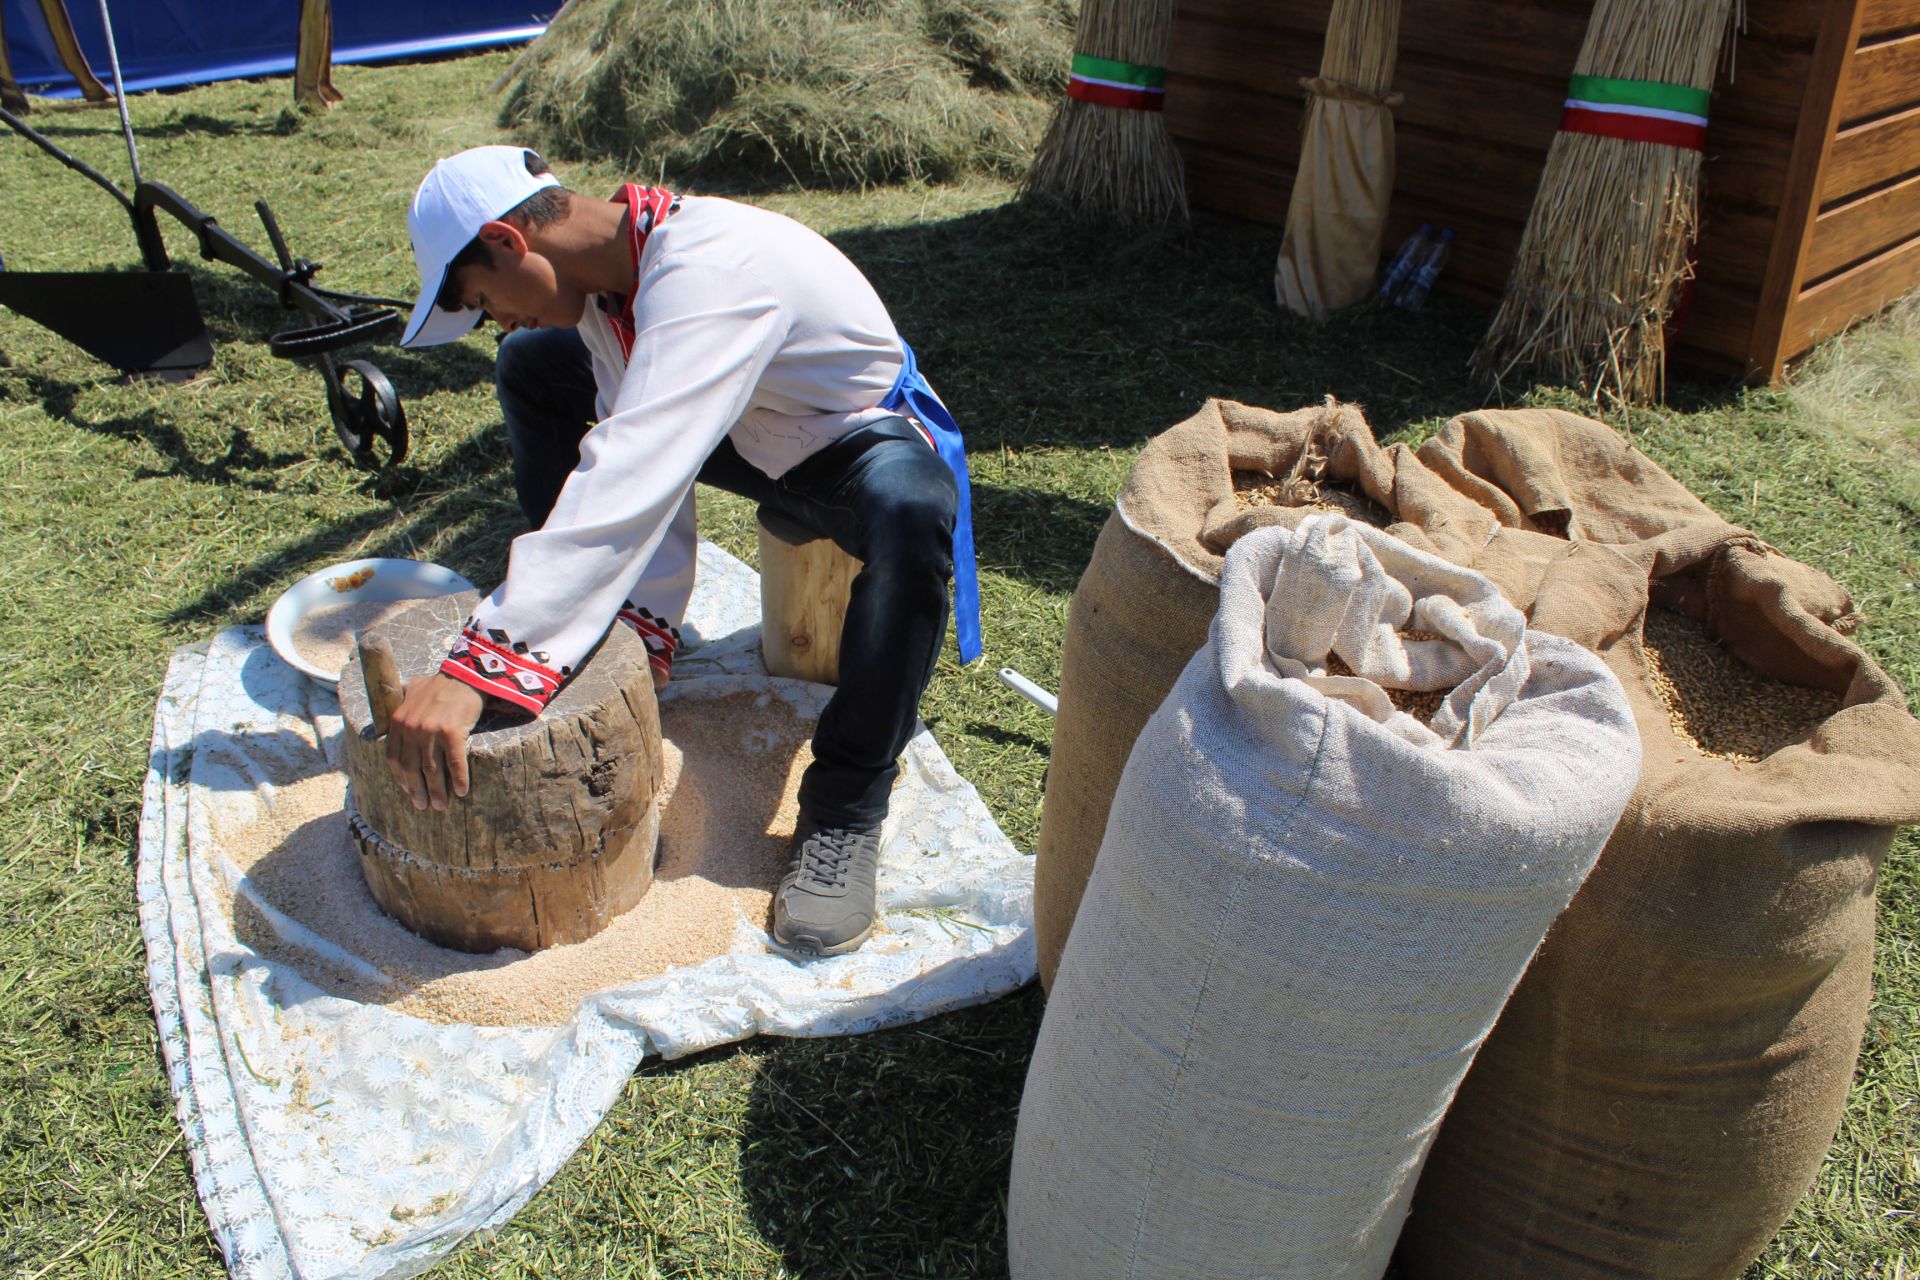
1672, 115
1109, 83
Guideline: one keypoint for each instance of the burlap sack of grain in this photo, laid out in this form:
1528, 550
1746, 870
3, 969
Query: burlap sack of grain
1557, 473
1337, 213
1144, 603
1666, 1079
1305, 915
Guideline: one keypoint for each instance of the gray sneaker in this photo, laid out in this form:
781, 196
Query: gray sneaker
824, 905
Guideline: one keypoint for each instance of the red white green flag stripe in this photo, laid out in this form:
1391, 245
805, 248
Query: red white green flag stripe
1672, 115
1117, 84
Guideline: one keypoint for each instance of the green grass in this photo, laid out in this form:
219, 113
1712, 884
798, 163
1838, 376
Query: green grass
136, 518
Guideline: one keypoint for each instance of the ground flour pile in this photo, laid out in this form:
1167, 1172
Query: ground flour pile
325, 636
728, 805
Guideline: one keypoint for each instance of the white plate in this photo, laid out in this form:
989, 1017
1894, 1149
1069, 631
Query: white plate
352, 581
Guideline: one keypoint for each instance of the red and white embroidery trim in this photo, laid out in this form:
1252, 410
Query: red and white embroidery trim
646, 208
661, 639
498, 671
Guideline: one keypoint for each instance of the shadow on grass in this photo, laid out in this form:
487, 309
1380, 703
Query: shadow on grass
489, 522
237, 308
1035, 535
1008, 737
242, 464
888, 1154
1040, 331
106, 125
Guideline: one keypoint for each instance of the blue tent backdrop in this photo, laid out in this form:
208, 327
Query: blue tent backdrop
165, 43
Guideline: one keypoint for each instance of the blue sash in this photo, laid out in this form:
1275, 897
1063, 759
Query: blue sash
912, 393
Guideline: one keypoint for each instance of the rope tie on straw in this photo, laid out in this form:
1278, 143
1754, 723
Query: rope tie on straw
1673, 115
1341, 91
1131, 85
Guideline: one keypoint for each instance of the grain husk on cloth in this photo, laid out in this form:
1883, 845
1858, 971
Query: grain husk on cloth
1665, 1081
1150, 591
1306, 912
355, 1100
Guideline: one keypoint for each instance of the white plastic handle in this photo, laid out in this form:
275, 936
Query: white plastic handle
1030, 691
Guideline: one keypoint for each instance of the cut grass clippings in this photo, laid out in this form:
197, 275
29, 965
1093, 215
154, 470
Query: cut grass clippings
137, 518
796, 92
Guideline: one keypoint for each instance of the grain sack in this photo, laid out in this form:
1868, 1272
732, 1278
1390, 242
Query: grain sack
1305, 915
1144, 603
1558, 473
1664, 1083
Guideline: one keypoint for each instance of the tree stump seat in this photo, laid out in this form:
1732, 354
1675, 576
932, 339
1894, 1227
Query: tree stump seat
804, 583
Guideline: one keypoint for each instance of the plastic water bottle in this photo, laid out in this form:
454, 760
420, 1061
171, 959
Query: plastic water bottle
1405, 262
1414, 296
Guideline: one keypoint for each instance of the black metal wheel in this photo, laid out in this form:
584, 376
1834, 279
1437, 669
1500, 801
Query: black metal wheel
367, 415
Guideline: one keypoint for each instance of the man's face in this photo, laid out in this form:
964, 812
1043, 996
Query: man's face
520, 291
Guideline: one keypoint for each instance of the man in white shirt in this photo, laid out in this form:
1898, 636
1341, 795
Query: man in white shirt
653, 339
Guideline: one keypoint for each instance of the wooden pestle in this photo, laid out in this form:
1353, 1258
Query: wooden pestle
382, 674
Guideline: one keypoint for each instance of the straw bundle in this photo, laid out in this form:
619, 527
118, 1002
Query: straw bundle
1107, 152
1363, 42
1338, 211
1606, 247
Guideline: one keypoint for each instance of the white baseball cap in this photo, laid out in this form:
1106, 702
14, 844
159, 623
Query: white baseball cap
462, 194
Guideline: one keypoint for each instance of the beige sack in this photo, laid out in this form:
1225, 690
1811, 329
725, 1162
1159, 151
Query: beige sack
1559, 473
1337, 214
1665, 1081
1151, 589
1307, 910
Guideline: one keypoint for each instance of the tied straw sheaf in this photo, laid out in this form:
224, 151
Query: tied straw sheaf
1126, 85
1668, 115
1337, 210
1363, 43
1606, 246
1107, 153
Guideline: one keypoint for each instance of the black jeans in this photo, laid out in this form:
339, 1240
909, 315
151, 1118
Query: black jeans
880, 493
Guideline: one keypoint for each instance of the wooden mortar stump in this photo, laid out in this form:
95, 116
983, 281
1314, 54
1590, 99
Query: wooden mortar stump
803, 604
559, 829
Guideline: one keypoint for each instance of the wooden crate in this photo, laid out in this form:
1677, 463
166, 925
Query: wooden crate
1811, 217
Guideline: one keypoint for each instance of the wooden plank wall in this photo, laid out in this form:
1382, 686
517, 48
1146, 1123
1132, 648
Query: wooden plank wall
1483, 82
1862, 248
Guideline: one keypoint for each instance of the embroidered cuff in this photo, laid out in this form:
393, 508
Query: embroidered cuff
661, 638
492, 664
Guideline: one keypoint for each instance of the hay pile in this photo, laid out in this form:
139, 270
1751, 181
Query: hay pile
815, 92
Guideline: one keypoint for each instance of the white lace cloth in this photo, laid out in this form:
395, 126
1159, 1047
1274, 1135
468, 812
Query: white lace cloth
331, 1138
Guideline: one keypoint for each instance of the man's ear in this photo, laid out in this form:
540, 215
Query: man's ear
501, 234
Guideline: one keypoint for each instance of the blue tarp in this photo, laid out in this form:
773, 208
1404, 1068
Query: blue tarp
166, 43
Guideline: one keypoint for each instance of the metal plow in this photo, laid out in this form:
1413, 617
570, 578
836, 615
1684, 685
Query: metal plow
146, 321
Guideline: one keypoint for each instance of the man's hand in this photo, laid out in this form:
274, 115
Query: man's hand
427, 738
